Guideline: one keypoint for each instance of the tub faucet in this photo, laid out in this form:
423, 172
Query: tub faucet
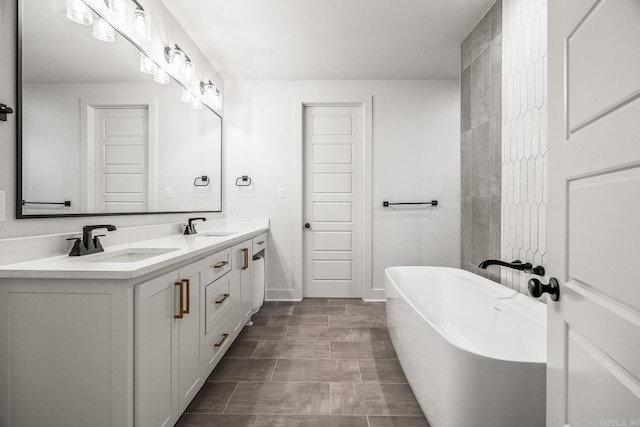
516, 265
191, 227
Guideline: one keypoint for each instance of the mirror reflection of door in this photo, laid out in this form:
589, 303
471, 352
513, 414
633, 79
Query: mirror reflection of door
121, 165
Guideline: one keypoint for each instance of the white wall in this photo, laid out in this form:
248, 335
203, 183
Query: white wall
416, 156
32, 227
524, 136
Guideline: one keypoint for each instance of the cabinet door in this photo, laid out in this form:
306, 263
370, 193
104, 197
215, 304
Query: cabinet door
190, 378
241, 261
156, 350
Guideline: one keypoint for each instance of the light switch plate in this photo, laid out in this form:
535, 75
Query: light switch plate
168, 193
281, 193
230, 208
3, 206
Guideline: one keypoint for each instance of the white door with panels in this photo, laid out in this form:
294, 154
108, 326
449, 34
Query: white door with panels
593, 370
333, 153
121, 152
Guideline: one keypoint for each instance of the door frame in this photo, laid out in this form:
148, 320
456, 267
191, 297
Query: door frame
366, 103
88, 107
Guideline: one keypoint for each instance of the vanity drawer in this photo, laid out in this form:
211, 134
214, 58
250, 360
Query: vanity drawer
217, 342
218, 300
217, 265
259, 243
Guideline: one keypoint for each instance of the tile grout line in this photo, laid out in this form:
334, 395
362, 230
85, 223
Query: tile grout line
230, 397
274, 370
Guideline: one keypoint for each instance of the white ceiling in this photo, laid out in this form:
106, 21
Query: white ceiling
330, 39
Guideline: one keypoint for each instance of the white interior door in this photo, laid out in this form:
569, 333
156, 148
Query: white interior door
333, 147
593, 372
121, 169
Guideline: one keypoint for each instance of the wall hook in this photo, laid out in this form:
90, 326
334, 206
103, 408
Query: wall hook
4, 110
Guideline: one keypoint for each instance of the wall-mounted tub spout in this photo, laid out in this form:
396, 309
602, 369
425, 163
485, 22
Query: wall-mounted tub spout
516, 265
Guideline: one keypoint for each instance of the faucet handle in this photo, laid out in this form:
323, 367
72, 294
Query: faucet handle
78, 246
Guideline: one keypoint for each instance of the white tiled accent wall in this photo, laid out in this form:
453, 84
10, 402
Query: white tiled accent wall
524, 136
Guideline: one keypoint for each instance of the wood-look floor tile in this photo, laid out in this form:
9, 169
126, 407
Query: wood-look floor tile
321, 370
241, 349
292, 350
353, 301
299, 321
372, 399
370, 334
311, 421
317, 333
375, 310
381, 371
260, 320
243, 370
362, 350
280, 398
212, 398
216, 420
258, 333
371, 321
308, 310
399, 421
277, 310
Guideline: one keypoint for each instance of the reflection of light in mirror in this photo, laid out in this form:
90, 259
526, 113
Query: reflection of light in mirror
177, 60
196, 104
161, 77
79, 12
103, 31
142, 24
120, 10
217, 102
189, 71
187, 96
147, 65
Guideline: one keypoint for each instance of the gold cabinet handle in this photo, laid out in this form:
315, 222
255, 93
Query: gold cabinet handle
181, 315
261, 242
224, 338
223, 299
246, 258
186, 311
221, 264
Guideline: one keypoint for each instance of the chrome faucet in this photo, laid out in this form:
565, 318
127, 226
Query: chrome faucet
191, 227
89, 244
516, 265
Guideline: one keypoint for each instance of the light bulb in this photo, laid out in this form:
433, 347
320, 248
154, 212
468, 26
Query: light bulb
103, 31
189, 72
187, 96
217, 102
196, 104
79, 12
210, 92
142, 24
120, 10
147, 65
161, 77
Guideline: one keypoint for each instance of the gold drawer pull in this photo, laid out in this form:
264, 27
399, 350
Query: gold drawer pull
187, 310
221, 264
261, 242
181, 315
224, 338
245, 251
223, 299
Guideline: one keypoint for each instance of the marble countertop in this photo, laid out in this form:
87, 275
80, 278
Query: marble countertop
182, 248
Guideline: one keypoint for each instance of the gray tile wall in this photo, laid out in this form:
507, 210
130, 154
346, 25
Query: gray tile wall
481, 142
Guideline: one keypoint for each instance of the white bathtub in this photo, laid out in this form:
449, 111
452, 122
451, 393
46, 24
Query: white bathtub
473, 351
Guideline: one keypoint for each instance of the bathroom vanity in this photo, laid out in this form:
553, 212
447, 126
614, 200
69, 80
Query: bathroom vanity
126, 337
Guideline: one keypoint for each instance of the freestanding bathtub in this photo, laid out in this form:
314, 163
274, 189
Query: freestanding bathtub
473, 351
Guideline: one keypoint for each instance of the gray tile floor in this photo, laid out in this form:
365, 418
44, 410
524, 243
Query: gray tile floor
317, 362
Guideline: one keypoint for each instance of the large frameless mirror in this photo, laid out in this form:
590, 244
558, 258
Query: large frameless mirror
97, 136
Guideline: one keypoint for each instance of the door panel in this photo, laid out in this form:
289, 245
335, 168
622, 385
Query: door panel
333, 146
593, 369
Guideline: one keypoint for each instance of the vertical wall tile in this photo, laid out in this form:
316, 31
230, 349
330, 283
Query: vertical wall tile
466, 164
481, 88
495, 220
465, 100
481, 167
466, 216
496, 78
496, 19
481, 209
477, 41
495, 156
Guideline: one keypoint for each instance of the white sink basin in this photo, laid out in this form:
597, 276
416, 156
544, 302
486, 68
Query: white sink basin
216, 233
130, 255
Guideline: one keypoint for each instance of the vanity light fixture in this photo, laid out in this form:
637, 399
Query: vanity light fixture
176, 58
79, 12
217, 100
147, 66
161, 77
120, 10
103, 31
189, 71
208, 90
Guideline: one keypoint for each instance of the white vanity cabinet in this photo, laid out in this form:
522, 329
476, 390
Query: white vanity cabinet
168, 345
